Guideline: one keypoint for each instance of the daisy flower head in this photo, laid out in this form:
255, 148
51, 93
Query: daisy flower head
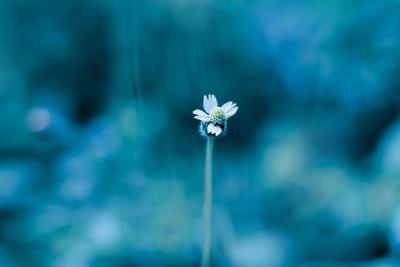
213, 120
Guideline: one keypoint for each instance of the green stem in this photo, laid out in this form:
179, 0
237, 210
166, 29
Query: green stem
207, 208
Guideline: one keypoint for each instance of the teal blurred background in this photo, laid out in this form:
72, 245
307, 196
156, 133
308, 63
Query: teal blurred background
101, 163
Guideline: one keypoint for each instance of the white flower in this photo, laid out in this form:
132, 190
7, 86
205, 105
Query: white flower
214, 119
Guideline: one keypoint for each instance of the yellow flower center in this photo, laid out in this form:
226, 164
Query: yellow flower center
218, 115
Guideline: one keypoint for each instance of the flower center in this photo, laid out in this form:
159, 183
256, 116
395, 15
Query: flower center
218, 115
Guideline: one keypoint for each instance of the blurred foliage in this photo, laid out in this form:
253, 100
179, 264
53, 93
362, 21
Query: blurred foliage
101, 163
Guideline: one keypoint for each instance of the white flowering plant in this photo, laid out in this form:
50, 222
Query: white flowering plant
213, 123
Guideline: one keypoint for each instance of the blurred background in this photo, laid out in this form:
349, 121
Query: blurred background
101, 163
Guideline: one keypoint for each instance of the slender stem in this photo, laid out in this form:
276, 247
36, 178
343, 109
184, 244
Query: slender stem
207, 208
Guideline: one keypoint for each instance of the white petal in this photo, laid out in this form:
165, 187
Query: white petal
227, 105
202, 118
200, 113
214, 102
218, 130
210, 128
206, 103
230, 108
231, 112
